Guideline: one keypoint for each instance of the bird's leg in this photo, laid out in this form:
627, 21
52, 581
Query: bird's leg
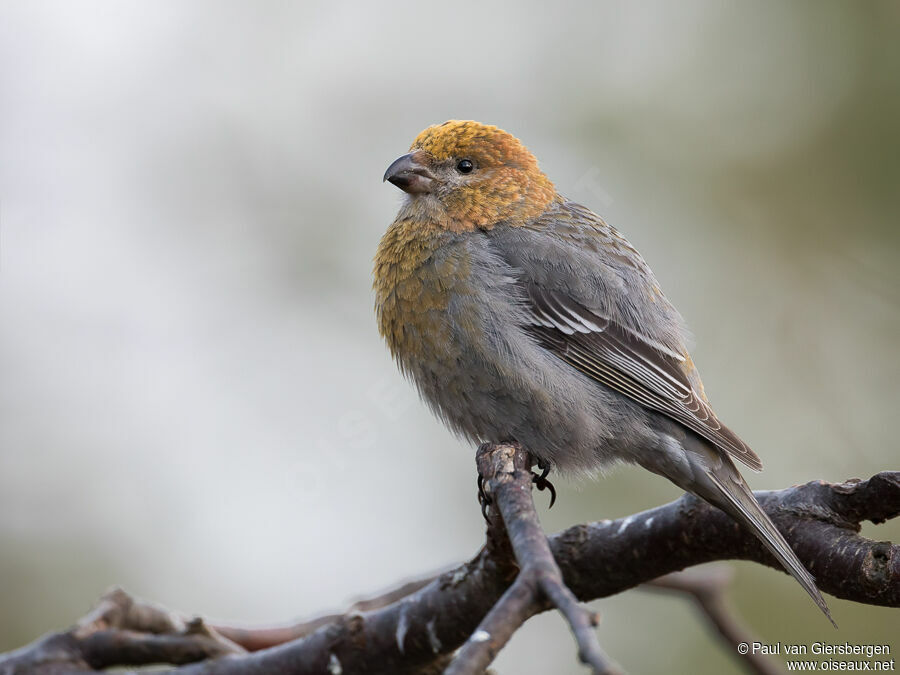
540, 480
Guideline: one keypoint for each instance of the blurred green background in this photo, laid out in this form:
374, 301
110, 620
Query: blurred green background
194, 400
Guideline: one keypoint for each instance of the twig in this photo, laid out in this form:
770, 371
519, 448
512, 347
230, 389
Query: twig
707, 589
120, 631
506, 470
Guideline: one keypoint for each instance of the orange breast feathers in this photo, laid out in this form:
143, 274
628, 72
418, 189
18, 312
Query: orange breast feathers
413, 286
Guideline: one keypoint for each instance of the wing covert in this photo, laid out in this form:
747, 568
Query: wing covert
636, 367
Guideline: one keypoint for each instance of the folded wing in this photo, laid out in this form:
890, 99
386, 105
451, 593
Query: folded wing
633, 365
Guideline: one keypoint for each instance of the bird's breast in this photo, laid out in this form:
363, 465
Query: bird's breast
448, 310
421, 276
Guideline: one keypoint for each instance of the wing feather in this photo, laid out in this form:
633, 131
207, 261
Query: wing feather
629, 364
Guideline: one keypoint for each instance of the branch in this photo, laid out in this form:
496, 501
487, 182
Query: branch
820, 520
707, 589
120, 631
506, 470
255, 639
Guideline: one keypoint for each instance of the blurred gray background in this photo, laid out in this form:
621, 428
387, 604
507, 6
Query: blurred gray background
194, 400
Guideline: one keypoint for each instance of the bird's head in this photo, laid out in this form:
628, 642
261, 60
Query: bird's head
471, 175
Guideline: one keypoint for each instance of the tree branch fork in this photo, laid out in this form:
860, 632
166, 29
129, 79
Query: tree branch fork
457, 622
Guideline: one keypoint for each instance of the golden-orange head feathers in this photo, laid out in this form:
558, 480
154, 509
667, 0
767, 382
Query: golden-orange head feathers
490, 145
475, 174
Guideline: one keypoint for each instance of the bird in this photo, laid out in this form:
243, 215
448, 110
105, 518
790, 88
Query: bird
521, 316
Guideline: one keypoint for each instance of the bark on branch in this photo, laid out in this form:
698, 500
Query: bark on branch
417, 633
506, 472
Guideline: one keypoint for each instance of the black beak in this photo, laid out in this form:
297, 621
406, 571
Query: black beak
409, 174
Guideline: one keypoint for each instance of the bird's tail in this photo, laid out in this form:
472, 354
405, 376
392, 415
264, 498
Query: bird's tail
715, 478
736, 499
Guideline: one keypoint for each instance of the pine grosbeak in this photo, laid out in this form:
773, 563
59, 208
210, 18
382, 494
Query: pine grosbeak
522, 316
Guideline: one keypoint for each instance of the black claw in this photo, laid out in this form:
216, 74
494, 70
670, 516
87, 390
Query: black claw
544, 467
541, 483
483, 499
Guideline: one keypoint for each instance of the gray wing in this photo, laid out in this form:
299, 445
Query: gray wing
626, 362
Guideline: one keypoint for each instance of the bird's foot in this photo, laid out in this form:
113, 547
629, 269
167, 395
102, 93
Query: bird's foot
483, 499
540, 480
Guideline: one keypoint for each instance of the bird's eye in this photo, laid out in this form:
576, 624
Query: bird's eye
465, 166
